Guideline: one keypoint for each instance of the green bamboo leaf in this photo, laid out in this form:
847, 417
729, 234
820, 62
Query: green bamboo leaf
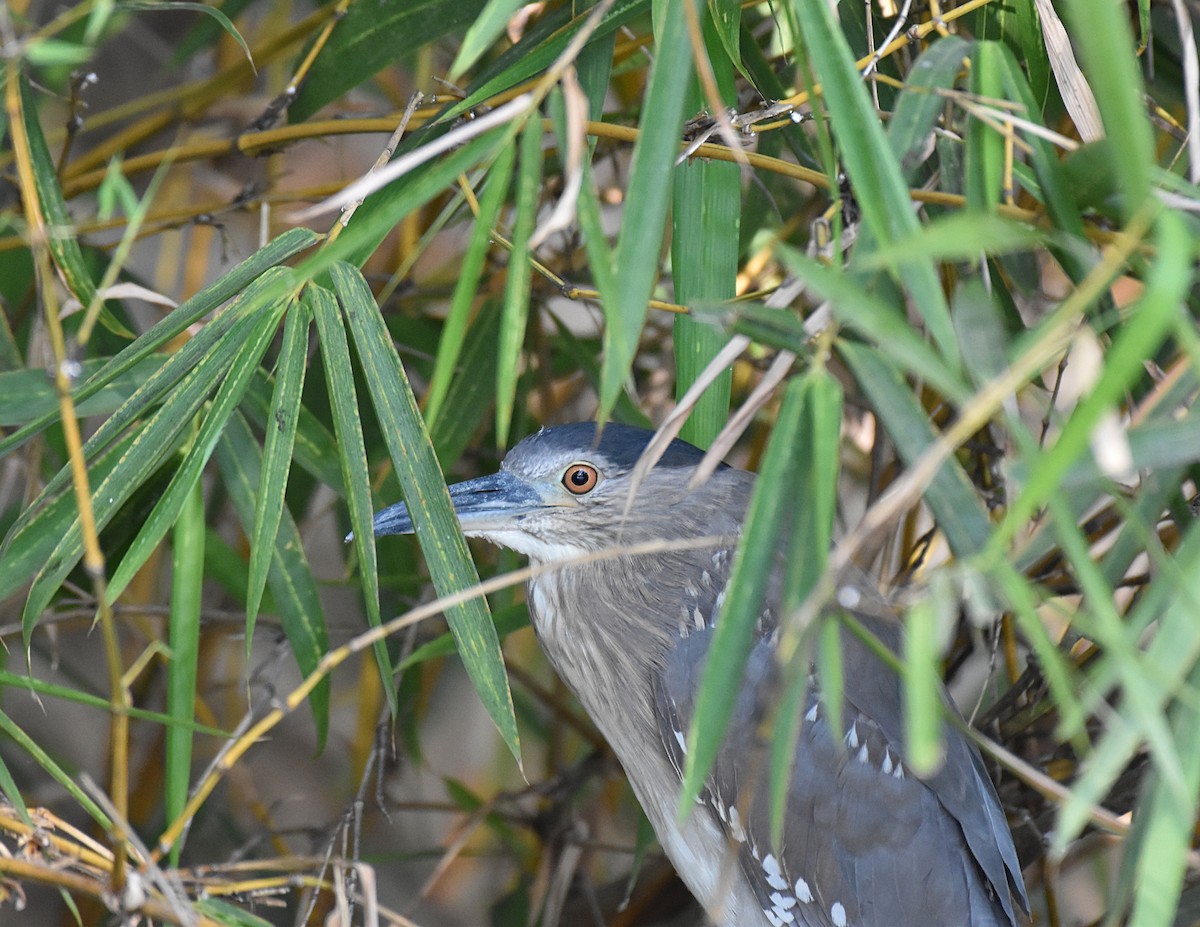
1019, 27
183, 638
277, 455
541, 46
727, 17
206, 32
249, 352
378, 216
1149, 677
63, 243
263, 291
1099, 30
163, 433
816, 491
8, 787
875, 176
224, 912
471, 396
29, 550
877, 320
818, 452
950, 496
352, 455
640, 240
508, 620
1164, 830
984, 144
9, 680
594, 68
922, 687
516, 290
910, 130
485, 30
1055, 192
369, 37
291, 580
424, 489
705, 235
313, 439
26, 395
959, 236
734, 634
466, 286
174, 5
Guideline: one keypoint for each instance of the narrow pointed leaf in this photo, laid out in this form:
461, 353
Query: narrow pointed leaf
516, 291
454, 332
734, 635
291, 579
352, 455
277, 455
197, 353
424, 490
641, 239
249, 352
874, 173
949, 494
183, 638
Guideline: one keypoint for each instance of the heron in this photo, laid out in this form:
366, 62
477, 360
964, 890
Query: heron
865, 840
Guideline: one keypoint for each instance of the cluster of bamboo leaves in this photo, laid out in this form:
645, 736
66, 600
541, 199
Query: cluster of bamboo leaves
910, 184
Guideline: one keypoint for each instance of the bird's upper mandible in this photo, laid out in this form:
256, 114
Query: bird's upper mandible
865, 843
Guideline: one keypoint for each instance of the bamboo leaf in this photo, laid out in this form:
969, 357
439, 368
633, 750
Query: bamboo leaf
183, 638
950, 496
640, 241
245, 361
467, 284
352, 455
277, 455
487, 27
734, 634
516, 291
424, 490
291, 580
875, 176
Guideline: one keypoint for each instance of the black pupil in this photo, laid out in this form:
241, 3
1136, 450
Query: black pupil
579, 477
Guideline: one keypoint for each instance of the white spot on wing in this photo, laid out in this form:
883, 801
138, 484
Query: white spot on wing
838, 914
863, 756
852, 736
787, 902
803, 892
887, 762
735, 826
811, 717
774, 876
780, 905
679, 740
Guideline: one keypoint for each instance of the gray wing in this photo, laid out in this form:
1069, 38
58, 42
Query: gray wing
865, 842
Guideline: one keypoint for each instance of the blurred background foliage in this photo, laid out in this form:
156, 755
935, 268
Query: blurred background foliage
935, 260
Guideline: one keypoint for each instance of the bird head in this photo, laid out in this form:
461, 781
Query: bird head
563, 493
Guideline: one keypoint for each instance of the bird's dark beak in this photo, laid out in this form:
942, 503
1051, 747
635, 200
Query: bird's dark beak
481, 504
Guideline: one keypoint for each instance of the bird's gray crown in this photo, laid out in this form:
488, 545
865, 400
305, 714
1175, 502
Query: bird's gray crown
619, 446
531, 505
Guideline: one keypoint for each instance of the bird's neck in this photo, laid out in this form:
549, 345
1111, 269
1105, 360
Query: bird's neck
606, 628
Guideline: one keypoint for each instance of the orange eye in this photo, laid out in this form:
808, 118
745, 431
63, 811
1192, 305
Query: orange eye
580, 479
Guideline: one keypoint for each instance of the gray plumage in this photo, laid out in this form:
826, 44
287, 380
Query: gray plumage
865, 842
